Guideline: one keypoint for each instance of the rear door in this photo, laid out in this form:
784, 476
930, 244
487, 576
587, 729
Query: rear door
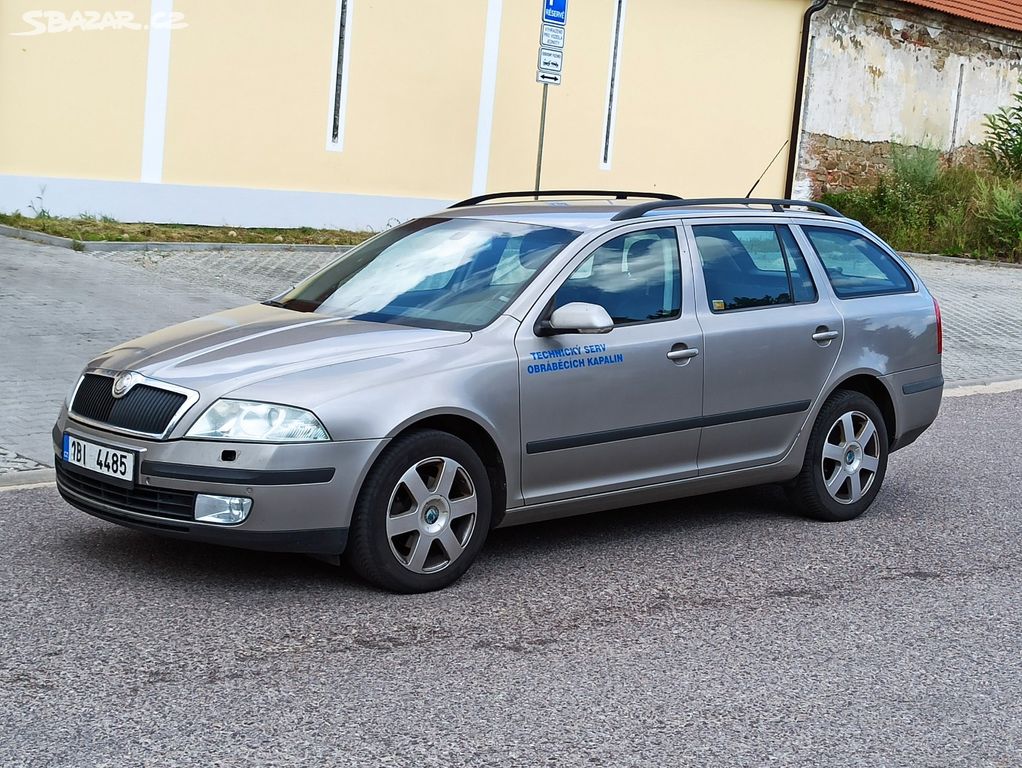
770, 340
621, 409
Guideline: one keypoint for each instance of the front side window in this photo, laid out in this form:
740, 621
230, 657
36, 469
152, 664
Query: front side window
456, 274
855, 266
634, 277
746, 266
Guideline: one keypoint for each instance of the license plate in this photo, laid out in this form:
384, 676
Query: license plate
100, 459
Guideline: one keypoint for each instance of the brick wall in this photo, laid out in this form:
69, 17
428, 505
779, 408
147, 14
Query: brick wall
837, 165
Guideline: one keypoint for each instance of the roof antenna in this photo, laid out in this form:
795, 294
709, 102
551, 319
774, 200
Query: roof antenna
753, 189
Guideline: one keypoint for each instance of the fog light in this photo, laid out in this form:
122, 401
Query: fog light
223, 510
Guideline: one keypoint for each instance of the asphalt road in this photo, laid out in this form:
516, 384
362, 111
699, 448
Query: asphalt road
713, 632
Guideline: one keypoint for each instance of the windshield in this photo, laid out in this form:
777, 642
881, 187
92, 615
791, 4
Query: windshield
456, 274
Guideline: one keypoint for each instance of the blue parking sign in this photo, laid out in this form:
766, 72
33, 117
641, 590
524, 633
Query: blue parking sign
555, 11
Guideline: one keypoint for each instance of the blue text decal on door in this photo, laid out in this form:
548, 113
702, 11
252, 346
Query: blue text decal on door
573, 358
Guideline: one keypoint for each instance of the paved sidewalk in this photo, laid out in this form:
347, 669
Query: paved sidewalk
982, 311
258, 274
12, 462
58, 308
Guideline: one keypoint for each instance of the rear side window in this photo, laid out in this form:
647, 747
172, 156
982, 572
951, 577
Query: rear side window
746, 266
856, 267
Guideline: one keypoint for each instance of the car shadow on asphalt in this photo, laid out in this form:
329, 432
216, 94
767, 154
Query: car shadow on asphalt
639, 522
134, 554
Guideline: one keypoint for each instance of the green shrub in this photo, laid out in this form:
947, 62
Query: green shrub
1003, 145
998, 207
917, 169
925, 207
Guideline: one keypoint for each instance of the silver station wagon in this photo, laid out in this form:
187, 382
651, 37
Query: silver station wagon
517, 357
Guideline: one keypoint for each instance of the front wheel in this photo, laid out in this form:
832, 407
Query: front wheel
423, 514
846, 459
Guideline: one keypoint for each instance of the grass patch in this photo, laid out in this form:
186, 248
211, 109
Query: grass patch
87, 228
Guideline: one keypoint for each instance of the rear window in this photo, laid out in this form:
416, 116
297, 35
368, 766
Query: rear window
856, 267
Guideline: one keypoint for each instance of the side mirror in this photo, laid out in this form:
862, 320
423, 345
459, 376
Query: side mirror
576, 317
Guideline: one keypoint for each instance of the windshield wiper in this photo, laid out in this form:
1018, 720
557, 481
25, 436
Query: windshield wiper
295, 305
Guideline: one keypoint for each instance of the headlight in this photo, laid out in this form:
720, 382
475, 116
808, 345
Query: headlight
266, 422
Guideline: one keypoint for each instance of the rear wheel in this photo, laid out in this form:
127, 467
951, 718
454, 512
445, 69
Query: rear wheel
846, 459
423, 514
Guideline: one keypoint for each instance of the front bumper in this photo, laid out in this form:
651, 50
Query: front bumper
302, 494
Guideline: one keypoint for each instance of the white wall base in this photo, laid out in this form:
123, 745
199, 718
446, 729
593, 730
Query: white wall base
217, 206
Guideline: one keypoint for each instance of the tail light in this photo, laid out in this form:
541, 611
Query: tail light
940, 329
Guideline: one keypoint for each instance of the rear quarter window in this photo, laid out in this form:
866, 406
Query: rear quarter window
855, 266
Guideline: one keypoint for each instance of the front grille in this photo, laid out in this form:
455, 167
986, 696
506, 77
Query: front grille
159, 502
144, 409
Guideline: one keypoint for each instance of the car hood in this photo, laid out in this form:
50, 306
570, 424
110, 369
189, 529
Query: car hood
227, 350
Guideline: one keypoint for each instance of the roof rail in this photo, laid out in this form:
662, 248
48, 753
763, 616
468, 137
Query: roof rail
640, 210
617, 195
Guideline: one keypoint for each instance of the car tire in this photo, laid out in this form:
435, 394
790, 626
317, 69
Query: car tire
845, 461
422, 515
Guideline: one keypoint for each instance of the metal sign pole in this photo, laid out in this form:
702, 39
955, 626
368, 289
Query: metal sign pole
550, 65
542, 135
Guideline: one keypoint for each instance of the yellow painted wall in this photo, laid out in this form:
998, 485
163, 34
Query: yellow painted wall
72, 102
249, 100
705, 89
704, 97
518, 95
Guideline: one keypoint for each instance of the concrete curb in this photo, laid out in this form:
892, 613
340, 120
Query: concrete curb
983, 387
960, 260
105, 246
88, 246
26, 477
36, 237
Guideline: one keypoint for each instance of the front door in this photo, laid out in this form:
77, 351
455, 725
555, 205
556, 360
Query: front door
621, 409
771, 340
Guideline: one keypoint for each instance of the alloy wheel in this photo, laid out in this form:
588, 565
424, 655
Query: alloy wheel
851, 457
431, 515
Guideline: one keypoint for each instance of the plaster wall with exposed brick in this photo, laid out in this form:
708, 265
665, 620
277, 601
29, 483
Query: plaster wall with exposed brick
884, 73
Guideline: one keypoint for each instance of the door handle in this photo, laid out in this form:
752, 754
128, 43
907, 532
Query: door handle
821, 336
682, 354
